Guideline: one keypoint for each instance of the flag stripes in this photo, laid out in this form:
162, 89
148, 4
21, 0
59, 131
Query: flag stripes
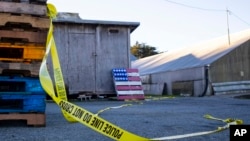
127, 83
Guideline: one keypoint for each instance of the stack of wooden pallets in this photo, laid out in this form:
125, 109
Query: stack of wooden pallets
23, 32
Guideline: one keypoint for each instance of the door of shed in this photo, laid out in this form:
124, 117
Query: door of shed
81, 62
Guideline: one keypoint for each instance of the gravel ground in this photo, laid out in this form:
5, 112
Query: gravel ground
158, 118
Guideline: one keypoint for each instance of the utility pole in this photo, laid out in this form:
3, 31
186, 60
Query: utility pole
228, 33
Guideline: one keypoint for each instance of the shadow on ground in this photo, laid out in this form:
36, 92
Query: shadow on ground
247, 96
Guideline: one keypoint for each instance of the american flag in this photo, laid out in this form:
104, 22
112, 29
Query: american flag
127, 83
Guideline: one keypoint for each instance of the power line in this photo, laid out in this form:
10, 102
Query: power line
230, 12
228, 32
213, 10
194, 7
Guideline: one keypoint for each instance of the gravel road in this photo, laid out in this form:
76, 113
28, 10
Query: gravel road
151, 119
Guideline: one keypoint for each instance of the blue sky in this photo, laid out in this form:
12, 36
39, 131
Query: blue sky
163, 23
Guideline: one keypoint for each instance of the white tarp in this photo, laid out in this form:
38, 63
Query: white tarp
192, 56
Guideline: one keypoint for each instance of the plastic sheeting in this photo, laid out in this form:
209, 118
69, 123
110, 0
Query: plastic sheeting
192, 56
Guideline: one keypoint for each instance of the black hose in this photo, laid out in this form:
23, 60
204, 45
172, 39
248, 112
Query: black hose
206, 81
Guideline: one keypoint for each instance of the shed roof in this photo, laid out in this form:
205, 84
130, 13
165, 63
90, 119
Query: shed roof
192, 56
64, 17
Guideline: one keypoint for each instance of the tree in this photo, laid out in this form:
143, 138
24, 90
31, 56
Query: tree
141, 50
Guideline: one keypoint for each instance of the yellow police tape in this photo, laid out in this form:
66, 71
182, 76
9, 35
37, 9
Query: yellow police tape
134, 101
229, 122
116, 107
74, 113
71, 111
58, 77
150, 98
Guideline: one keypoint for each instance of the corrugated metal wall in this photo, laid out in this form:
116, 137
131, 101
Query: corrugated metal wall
235, 66
88, 52
154, 83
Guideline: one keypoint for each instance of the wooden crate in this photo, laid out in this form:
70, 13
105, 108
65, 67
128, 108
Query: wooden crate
33, 119
23, 8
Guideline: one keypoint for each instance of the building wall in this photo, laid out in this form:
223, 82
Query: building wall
154, 83
235, 66
87, 54
232, 70
230, 74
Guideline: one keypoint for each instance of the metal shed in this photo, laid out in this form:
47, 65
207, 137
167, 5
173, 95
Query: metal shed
89, 49
211, 67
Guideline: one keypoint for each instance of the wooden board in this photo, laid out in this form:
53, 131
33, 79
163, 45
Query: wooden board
35, 22
33, 119
127, 84
23, 8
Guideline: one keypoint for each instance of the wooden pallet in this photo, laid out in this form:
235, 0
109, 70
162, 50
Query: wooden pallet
23, 8
34, 22
40, 2
22, 52
23, 36
33, 119
32, 67
27, 1
23, 28
21, 100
